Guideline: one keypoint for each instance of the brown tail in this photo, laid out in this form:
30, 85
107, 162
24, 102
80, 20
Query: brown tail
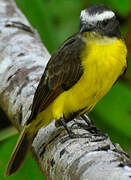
19, 153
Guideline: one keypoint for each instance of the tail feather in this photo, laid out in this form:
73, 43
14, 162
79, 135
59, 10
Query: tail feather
19, 153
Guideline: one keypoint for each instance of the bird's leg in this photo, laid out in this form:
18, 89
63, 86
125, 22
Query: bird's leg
62, 122
69, 131
89, 126
90, 129
87, 119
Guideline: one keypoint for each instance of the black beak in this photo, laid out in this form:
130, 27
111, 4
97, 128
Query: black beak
86, 27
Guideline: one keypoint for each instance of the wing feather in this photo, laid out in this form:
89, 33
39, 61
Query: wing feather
62, 72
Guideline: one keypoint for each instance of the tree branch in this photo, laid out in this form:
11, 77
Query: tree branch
22, 62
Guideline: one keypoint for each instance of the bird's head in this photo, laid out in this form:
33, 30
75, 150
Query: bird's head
101, 20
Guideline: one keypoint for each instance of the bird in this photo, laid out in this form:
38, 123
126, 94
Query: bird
77, 76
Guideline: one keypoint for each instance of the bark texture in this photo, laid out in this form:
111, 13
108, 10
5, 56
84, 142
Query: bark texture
22, 62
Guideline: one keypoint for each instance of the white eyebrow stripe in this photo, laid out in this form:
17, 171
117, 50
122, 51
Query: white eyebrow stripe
97, 17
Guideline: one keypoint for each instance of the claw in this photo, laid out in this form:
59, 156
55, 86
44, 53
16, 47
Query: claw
91, 128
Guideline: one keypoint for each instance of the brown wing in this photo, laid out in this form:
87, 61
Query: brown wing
62, 72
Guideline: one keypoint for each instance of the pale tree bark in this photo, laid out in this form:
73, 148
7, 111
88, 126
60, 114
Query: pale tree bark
22, 62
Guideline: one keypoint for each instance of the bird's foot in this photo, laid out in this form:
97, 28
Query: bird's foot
91, 130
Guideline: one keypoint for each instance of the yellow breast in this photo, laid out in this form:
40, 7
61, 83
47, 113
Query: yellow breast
103, 63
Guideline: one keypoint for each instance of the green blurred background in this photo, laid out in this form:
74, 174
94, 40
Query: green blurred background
56, 20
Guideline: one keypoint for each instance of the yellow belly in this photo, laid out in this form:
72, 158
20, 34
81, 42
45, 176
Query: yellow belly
103, 64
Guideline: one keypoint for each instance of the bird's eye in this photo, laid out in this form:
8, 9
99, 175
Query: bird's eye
105, 22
